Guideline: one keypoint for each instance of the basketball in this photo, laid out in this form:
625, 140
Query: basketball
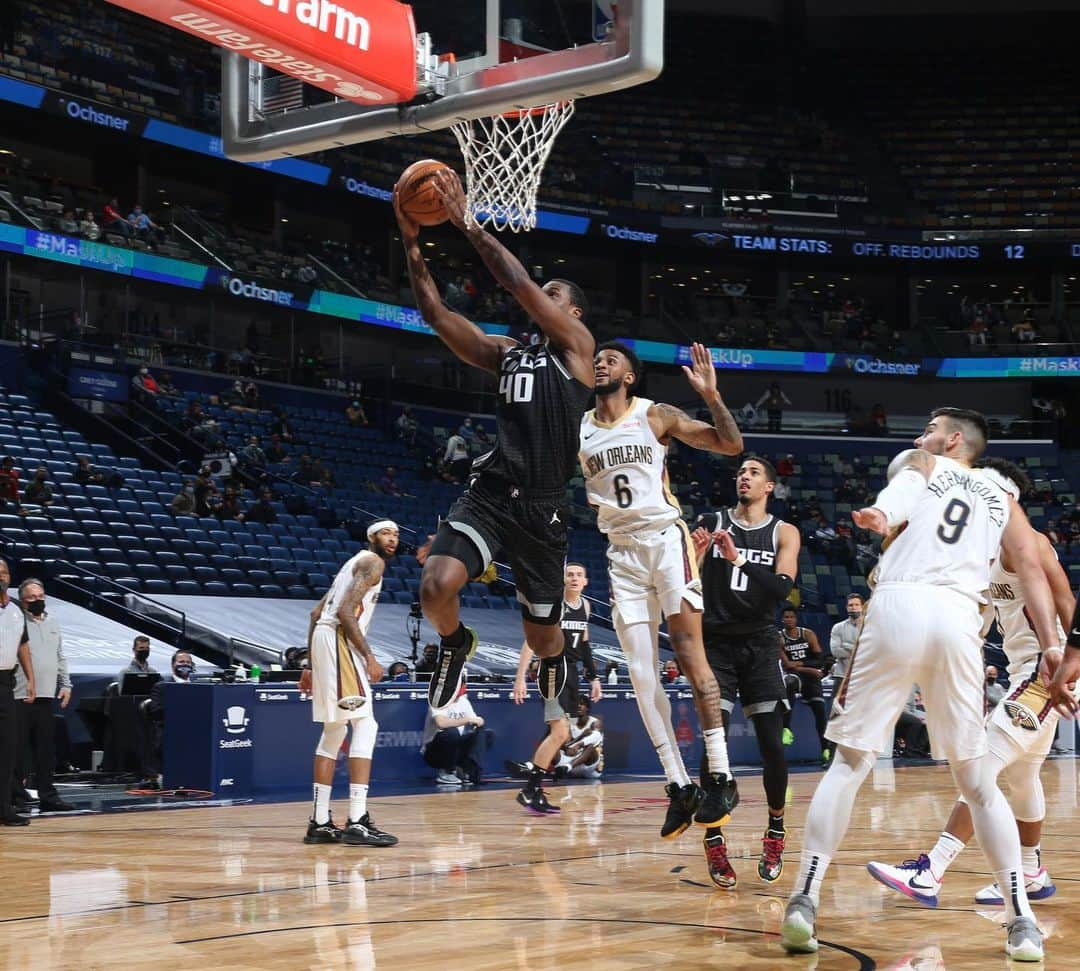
417, 195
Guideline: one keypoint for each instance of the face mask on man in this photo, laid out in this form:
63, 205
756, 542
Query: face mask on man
36, 607
183, 670
142, 655
854, 615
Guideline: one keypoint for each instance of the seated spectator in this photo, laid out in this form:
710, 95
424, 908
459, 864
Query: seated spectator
582, 757
262, 510
205, 493
252, 454
144, 383
233, 395
38, 491
9, 483
323, 475
87, 474
456, 457
879, 421
482, 436
1024, 331
465, 430
229, 506
781, 491
183, 503
275, 451
294, 659
251, 396
113, 222
306, 472
388, 485
89, 227
911, 738
68, 223
426, 664
398, 671
533, 670
977, 332
166, 386
785, 465
354, 414
454, 742
153, 710
280, 425
406, 426
207, 434
144, 227
670, 674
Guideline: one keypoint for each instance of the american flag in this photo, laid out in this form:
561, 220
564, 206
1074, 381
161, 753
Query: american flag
280, 92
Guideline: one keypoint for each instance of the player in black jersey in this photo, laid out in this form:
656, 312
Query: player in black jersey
557, 711
804, 668
513, 502
750, 559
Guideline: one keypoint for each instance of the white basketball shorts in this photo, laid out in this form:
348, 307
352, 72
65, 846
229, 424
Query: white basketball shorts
915, 634
1022, 726
337, 671
659, 564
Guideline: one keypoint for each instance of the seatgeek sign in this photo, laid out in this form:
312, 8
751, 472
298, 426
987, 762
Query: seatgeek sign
361, 50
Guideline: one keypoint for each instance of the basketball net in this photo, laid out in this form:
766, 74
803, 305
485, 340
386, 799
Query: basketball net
504, 159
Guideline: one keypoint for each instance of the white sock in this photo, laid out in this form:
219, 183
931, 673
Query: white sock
673, 765
946, 850
812, 867
1031, 859
321, 810
716, 750
1011, 885
357, 801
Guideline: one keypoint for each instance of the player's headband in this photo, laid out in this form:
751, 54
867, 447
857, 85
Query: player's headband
378, 525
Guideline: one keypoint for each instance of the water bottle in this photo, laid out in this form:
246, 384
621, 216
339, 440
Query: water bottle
613, 676
256, 673
241, 672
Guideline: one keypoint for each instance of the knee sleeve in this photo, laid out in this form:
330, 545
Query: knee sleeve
1025, 791
333, 735
854, 761
769, 727
975, 778
362, 743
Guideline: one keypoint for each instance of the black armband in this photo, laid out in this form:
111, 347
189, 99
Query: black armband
1073, 640
777, 584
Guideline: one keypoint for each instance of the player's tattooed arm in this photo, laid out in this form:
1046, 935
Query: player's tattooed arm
468, 342
367, 572
315, 613
565, 331
670, 422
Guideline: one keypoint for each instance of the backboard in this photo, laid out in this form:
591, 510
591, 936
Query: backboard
473, 59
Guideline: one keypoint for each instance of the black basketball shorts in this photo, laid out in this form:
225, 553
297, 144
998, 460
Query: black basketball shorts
528, 529
747, 665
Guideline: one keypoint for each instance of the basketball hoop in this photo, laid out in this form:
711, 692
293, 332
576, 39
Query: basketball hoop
504, 159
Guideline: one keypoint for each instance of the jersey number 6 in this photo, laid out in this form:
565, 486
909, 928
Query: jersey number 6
623, 496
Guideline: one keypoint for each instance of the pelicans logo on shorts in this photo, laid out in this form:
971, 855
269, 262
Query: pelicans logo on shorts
1028, 706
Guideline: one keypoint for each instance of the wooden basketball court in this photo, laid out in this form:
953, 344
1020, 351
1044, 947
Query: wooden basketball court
477, 883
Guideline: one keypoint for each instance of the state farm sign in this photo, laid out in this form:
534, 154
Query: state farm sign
362, 50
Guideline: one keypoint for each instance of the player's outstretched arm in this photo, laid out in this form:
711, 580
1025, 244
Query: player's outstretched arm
468, 342
367, 572
722, 435
564, 331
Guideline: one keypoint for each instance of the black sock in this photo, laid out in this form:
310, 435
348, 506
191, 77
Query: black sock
776, 824
536, 778
714, 832
457, 639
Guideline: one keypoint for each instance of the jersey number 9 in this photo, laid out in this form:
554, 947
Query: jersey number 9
953, 521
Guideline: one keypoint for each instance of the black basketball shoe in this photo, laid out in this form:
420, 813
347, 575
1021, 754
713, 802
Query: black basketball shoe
517, 770
721, 797
551, 678
446, 681
322, 832
536, 802
363, 832
680, 812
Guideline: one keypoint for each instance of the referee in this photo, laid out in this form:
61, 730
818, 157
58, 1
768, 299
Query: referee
14, 647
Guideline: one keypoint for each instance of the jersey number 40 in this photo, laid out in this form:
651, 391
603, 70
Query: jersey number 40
516, 387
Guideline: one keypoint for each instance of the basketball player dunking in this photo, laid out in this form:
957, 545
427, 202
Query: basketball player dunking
343, 668
1019, 733
514, 498
924, 625
651, 564
557, 711
749, 562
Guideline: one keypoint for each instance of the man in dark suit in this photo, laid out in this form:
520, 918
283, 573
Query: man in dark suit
153, 709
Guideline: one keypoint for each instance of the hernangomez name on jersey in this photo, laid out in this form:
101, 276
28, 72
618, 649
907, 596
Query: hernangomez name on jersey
625, 469
953, 534
342, 582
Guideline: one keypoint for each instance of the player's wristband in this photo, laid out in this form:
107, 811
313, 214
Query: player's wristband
739, 562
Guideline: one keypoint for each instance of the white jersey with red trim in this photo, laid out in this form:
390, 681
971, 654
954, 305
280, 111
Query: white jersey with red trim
340, 587
1019, 641
625, 469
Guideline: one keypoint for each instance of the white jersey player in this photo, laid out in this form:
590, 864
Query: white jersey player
923, 625
342, 668
1020, 730
651, 562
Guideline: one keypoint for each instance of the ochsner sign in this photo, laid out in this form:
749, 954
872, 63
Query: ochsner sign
363, 50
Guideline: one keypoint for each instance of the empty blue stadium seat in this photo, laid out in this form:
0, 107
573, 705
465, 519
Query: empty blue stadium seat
271, 590
157, 586
298, 592
215, 588
188, 588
